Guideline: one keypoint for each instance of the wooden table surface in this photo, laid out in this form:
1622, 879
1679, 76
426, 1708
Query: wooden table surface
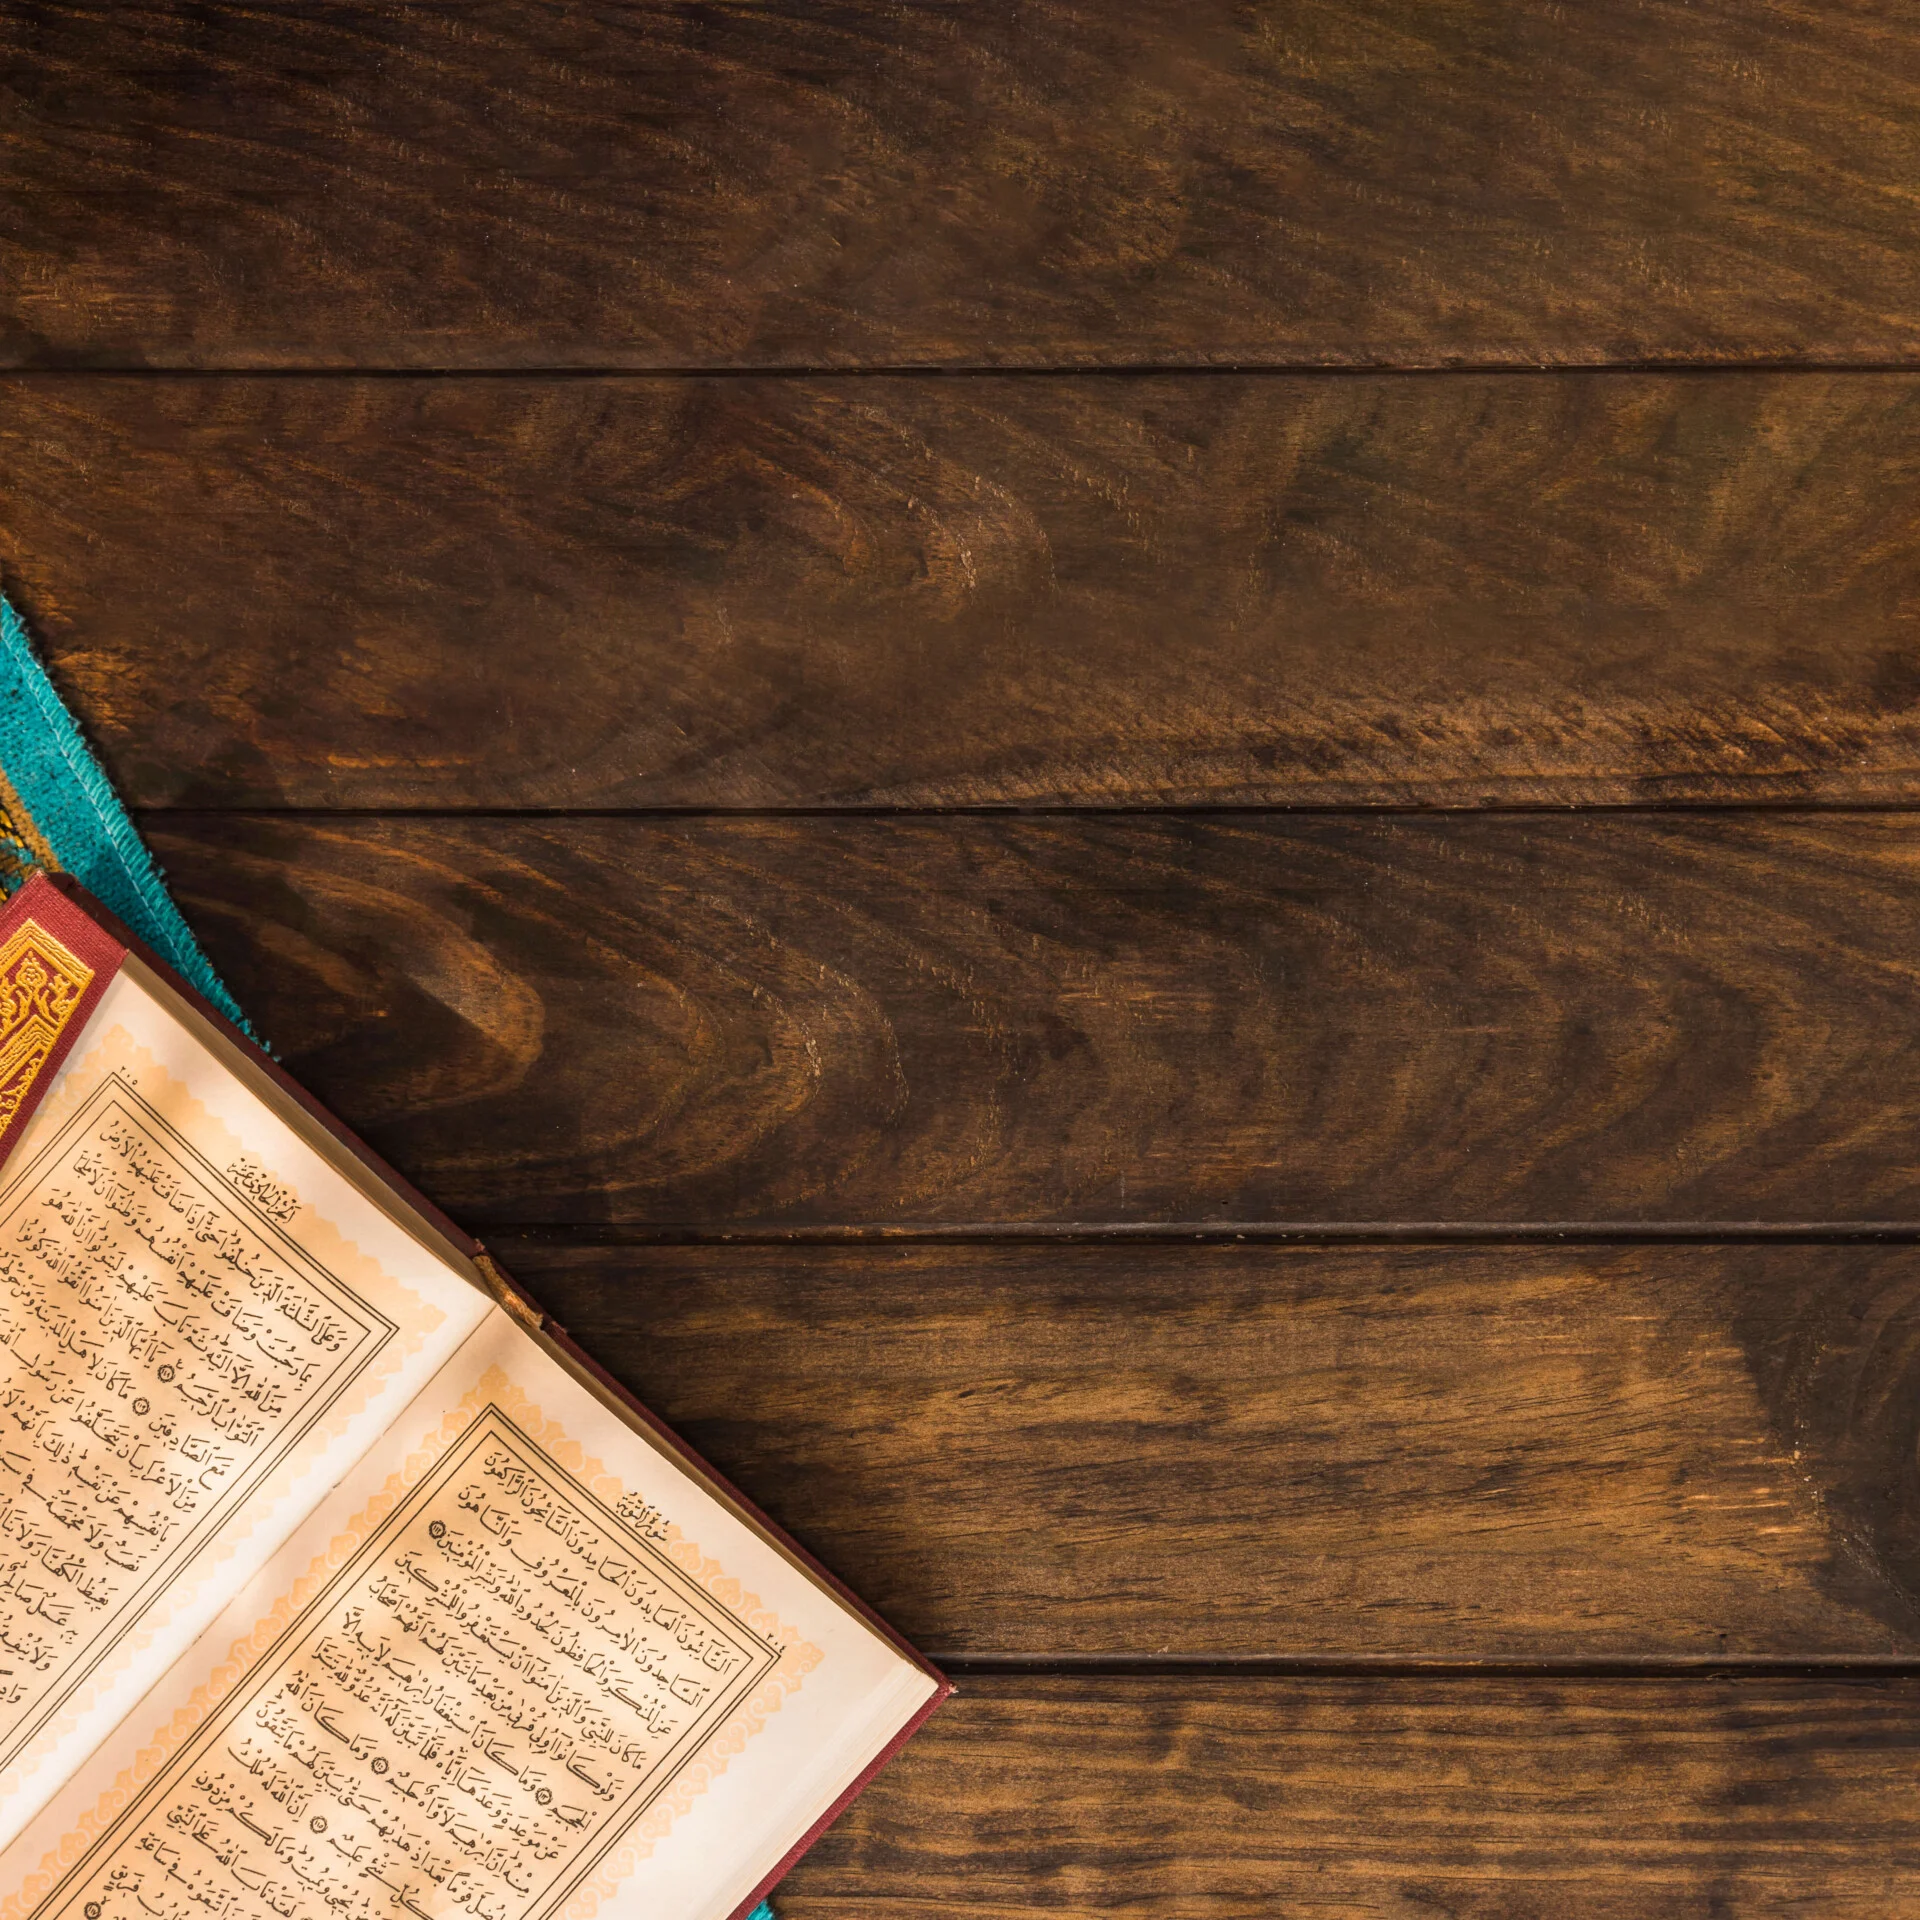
1138, 787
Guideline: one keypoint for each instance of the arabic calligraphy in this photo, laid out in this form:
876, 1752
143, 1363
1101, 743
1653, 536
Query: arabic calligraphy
461, 1723
160, 1350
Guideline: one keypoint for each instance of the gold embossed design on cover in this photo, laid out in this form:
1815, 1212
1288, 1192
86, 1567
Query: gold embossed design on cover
41, 987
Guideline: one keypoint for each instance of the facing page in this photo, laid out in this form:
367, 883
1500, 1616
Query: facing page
521, 1665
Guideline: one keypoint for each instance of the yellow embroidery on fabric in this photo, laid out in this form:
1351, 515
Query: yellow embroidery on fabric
23, 847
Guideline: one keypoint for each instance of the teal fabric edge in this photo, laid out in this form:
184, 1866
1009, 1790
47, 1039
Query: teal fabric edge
762, 1912
73, 811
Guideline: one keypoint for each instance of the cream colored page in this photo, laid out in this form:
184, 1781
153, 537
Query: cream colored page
202, 1326
520, 1665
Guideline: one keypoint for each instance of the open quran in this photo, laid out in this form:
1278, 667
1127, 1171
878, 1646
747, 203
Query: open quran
335, 1582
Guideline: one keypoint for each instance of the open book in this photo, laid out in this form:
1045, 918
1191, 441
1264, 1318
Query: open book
335, 1584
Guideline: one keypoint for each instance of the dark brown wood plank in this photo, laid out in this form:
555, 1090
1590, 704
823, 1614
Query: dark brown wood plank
1108, 1018
1436, 1453
1029, 181
1588, 588
1499, 1800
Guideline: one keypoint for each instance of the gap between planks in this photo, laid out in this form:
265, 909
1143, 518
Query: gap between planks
1258, 1232
83, 368
961, 1666
1013, 810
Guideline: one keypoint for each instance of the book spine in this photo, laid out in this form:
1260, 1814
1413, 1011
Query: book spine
55, 964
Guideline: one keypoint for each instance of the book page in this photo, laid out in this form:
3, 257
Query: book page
521, 1665
202, 1326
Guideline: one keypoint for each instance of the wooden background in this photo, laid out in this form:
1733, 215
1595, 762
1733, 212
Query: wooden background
1138, 787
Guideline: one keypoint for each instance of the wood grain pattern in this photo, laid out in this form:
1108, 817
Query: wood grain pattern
1029, 181
1488, 1799
1001, 592
984, 592
1095, 1018
1438, 1453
